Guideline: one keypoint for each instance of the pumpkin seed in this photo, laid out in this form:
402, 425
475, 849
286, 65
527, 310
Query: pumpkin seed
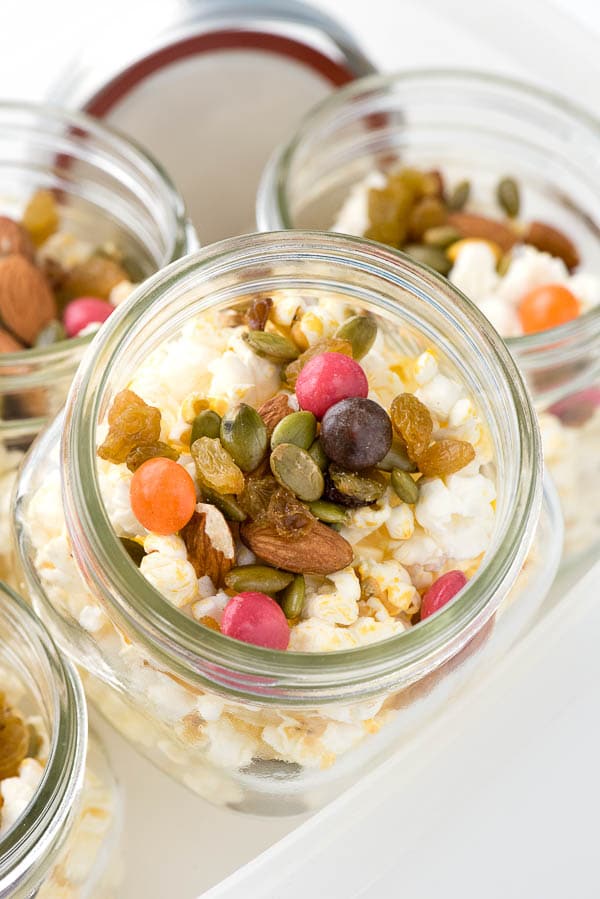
273, 346
504, 264
244, 436
257, 577
434, 257
296, 470
298, 428
292, 598
52, 333
397, 457
317, 453
133, 549
358, 487
224, 502
459, 195
508, 196
404, 487
361, 331
441, 237
206, 424
330, 513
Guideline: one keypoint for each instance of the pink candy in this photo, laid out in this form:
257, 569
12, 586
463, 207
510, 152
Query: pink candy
327, 379
256, 618
85, 311
441, 592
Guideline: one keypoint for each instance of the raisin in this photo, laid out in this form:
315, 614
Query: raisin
14, 744
141, 454
428, 213
41, 216
445, 457
330, 345
412, 422
258, 312
214, 466
288, 515
256, 496
133, 423
95, 277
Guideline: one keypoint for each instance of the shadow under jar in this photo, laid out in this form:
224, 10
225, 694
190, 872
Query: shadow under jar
107, 193
260, 730
470, 125
60, 811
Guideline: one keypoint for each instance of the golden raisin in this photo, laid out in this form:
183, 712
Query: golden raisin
133, 423
215, 467
445, 457
429, 212
41, 216
412, 422
329, 345
288, 515
258, 312
256, 496
14, 744
141, 454
95, 277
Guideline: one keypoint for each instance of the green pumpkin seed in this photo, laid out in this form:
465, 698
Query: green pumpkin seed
459, 195
292, 598
244, 436
298, 428
441, 237
224, 502
355, 486
257, 577
434, 257
508, 196
330, 513
361, 331
317, 453
295, 469
133, 549
504, 264
52, 333
397, 457
206, 424
404, 487
273, 346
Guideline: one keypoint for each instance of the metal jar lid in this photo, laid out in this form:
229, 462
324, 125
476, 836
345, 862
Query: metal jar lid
211, 89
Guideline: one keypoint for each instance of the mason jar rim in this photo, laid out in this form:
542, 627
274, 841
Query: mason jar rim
582, 331
204, 654
29, 843
123, 147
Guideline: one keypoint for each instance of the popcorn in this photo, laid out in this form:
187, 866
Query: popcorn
175, 578
339, 606
439, 395
240, 375
457, 514
393, 584
400, 524
17, 792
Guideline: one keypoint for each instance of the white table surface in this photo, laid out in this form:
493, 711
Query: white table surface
524, 826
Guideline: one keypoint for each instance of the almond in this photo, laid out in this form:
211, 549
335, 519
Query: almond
548, 239
26, 302
471, 225
14, 239
274, 410
320, 551
8, 344
209, 543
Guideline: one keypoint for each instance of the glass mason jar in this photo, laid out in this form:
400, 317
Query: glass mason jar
214, 711
65, 838
480, 127
106, 190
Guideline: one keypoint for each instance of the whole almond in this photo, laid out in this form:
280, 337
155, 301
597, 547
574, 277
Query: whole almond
26, 302
9, 344
275, 410
471, 225
550, 240
209, 543
320, 551
14, 239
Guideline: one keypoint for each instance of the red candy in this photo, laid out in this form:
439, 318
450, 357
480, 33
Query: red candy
256, 618
327, 379
85, 311
441, 592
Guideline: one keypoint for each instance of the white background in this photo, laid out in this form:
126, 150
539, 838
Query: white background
509, 807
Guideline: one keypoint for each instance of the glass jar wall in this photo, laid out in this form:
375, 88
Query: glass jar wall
258, 729
478, 127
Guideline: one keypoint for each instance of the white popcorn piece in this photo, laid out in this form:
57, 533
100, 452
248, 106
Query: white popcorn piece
457, 514
474, 270
171, 545
315, 635
240, 375
400, 524
210, 606
393, 584
426, 368
17, 792
121, 292
64, 249
439, 395
339, 606
173, 577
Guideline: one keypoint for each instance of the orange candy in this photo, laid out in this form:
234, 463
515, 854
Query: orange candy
547, 307
163, 496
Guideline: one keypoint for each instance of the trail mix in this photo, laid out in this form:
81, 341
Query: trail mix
326, 505
23, 750
53, 285
524, 275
